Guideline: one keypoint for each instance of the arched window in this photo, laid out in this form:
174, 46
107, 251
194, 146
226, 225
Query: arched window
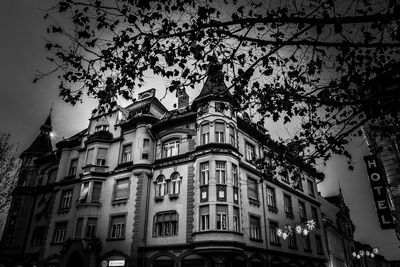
219, 132
161, 186
205, 133
175, 184
165, 224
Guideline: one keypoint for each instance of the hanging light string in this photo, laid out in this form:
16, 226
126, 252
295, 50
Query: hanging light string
299, 229
365, 253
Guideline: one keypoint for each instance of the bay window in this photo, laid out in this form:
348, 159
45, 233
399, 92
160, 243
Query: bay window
219, 132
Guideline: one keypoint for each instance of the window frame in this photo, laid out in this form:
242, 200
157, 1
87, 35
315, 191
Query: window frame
219, 136
311, 190
64, 229
126, 157
204, 218
221, 217
255, 230
204, 173
288, 204
220, 173
271, 197
254, 181
73, 170
126, 197
250, 151
123, 226
101, 161
176, 181
66, 200
166, 228
90, 229
273, 235
204, 135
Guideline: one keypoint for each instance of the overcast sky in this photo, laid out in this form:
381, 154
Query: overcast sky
24, 106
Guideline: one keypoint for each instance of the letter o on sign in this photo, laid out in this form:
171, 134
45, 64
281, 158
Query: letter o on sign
375, 177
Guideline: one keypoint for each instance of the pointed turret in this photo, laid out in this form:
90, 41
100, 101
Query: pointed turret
42, 144
214, 88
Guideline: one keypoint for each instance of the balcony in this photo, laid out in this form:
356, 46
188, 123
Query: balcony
94, 169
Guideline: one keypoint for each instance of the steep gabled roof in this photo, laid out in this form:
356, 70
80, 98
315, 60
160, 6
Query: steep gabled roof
42, 143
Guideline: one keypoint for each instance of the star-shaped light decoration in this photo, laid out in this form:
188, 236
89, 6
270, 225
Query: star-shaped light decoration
362, 253
367, 253
375, 251
279, 232
311, 225
284, 236
299, 230
305, 231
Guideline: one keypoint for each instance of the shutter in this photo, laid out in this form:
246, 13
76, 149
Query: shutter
102, 153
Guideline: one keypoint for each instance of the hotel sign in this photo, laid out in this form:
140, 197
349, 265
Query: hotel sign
377, 179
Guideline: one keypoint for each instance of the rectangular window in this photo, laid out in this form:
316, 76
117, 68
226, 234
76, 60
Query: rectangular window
271, 197
96, 192
205, 134
117, 227
220, 174
314, 216
255, 227
310, 188
126, 153
204, 218
101, 158
299, 184
318, 244
302, 211
292, 242
222, 217
235, 178
219, 132
73, 167
60, 232
287, 200
84, 192
252, 189
306, 242
250, 152
274, 238
232, 139
171, 148
166, 224
204, 173
89, 156
146, 148
66, 198
236, 219
38, 236
78, 229
121, 189
91, 228
285, 176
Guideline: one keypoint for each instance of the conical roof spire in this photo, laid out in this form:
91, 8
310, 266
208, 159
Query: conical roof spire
42, 143
214, 84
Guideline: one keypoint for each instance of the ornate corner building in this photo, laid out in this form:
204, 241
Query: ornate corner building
144, 186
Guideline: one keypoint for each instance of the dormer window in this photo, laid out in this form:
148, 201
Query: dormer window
99, 128
171, 148
219, 107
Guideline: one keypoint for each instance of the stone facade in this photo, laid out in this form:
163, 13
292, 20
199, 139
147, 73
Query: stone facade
144, 186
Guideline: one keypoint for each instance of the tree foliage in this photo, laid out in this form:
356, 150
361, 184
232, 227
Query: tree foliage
320, 64
9, 168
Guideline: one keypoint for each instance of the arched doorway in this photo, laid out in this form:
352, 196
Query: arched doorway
75, 260
163, 261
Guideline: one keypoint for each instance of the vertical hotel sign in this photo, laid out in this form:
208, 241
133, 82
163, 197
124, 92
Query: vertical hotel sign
377, 179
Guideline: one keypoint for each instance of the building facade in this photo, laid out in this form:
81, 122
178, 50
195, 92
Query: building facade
144, 186
339, 231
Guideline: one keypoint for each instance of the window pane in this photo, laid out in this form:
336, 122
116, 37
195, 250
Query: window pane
121, 188
252, 189
101, 156
96, 191
127, 153
89, 156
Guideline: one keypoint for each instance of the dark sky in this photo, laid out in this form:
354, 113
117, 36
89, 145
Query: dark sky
24, 106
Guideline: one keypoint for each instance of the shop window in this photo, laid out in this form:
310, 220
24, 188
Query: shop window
60, 232
127, 153
117, 227
165, 224
204, 218
222, 217
205, 133
171, 148
255, 227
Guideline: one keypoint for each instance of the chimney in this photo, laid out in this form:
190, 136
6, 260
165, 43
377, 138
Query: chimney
183, 98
